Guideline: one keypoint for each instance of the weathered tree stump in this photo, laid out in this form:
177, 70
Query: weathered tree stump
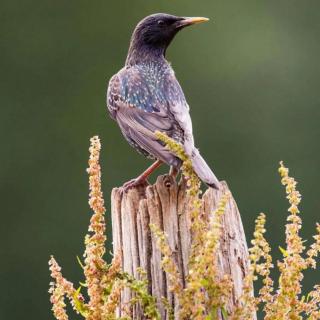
165, 204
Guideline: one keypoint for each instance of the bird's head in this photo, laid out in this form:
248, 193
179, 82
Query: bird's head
154, 33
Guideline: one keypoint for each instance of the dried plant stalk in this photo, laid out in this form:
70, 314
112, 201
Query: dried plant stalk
192, 282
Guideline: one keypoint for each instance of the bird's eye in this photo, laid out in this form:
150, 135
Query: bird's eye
160, 22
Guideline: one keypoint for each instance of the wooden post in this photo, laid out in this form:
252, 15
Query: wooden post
165, 204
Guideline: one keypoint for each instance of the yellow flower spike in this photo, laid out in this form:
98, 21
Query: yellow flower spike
60, 288
213, 291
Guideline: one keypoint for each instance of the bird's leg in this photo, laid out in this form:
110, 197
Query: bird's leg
143, 176
171, 177
173, 172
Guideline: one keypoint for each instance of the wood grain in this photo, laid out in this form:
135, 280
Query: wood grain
165, 204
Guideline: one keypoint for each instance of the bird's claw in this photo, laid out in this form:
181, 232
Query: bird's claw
132, 183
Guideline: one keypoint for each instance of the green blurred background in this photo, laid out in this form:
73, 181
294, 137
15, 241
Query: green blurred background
251, 77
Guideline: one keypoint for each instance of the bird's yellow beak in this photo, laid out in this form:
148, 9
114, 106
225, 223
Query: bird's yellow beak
188, 21
194, 20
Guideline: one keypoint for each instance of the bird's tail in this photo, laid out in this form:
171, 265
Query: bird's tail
203, 171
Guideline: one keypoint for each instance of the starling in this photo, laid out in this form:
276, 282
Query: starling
145, 97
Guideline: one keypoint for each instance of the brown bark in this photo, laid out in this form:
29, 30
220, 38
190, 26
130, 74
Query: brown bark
165, 204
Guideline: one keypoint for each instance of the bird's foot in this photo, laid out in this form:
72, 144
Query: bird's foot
133, 183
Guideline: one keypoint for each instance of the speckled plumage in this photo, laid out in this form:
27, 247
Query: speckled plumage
148, 91
145, 96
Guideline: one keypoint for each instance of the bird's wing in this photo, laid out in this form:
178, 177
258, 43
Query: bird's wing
140, 112
140, 127
113, 92
179, 109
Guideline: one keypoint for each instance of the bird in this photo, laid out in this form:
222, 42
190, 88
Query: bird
145, 97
